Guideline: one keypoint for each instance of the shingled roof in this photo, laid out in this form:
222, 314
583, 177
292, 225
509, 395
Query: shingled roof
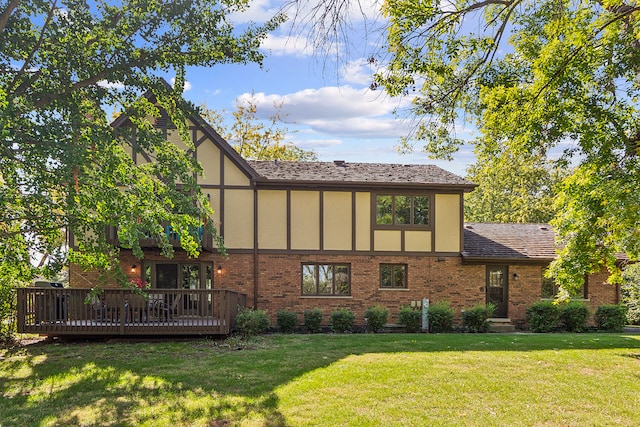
341, 172
523, 242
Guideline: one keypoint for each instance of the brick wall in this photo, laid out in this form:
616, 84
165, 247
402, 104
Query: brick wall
435, 278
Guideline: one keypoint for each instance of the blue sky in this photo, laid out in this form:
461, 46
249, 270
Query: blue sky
328, 104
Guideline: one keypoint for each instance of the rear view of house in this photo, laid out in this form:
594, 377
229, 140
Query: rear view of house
301, 235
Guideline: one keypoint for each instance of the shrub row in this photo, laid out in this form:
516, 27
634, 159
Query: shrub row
254, 322
548, 316
542, 316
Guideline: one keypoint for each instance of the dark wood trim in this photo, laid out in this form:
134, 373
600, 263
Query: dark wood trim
353, 220
359, 186
256, 274
500, 261
321, 221
344, 253
288, 231
222, 188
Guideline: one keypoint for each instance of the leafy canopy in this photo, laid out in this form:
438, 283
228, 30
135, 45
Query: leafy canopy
535, 77
65, 67
255, 140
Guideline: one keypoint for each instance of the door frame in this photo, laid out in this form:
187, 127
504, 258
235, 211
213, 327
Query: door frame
502, 309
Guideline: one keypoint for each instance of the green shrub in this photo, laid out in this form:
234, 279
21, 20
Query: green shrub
543, 316
475, 319
574, 316
410, 318
287, 321
342, 320
611, 318
251, 322
312, 320
376, 317
440, 317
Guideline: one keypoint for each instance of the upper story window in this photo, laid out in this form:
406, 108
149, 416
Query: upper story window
326, 279
402, 210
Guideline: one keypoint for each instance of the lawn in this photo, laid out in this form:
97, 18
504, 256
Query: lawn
327, 380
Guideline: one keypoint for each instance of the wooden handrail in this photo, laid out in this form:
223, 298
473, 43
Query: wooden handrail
69, 311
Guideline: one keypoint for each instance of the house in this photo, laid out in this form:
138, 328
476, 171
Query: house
340, 234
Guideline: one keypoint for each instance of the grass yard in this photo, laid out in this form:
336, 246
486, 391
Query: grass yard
328, 380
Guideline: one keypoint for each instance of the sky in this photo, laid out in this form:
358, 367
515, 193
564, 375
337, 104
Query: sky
326, 99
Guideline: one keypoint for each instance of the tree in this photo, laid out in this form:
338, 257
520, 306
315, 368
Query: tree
254, 140
534, 77
630, 292
511, 188
64, 67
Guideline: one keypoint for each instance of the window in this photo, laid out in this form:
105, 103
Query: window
326, 279
393, 276
550, 289
402, 210
175, 275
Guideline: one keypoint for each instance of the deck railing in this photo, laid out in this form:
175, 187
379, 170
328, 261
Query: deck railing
66, 311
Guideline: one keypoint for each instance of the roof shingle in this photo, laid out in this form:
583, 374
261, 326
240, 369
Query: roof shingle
509, 241
353, 173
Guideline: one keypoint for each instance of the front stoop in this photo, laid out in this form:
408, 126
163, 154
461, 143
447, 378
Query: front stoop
501, 325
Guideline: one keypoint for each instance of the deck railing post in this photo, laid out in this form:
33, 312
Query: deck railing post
22, 308
122, 310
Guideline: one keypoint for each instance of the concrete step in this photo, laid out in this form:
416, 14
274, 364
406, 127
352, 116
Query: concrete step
501, 325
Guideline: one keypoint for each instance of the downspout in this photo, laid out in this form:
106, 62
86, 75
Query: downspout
255, 246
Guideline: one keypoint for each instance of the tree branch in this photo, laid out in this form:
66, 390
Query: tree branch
6, 13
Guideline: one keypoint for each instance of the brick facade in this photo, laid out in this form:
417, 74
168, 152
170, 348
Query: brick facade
434, 278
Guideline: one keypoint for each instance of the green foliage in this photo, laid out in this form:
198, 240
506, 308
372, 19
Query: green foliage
251, 322
532, 76
287, 321
254, 140
512, 187
341, 320
410, 318
630, 293
312, 320
611, 318
376, 317
63, 167
574, 316
543, 316
440, 317
475, 319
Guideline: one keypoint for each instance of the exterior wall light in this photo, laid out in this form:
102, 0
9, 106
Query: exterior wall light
219, 269
133, 268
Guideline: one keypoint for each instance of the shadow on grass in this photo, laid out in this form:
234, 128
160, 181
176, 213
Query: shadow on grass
200, 382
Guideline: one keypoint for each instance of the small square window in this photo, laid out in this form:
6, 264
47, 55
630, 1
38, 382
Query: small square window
393, 276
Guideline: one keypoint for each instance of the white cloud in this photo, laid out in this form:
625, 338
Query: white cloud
358, 72
336, 110
110, 85
187, 84
260, 11
317, 143
285, 45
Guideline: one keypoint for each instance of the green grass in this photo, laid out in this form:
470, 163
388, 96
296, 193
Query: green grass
328, 380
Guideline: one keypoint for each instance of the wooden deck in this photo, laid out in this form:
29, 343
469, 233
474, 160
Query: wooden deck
73, 312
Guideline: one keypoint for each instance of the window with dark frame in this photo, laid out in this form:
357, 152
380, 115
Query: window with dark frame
326, 279
393, 276
402, 210
550, 289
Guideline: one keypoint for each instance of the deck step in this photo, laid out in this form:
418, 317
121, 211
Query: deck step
501, 325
